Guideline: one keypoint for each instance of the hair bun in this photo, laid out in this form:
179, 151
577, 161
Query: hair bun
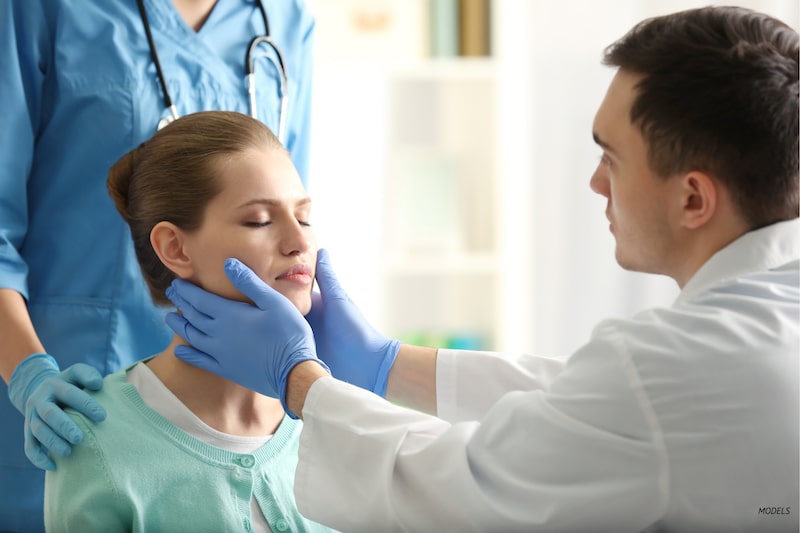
119, 181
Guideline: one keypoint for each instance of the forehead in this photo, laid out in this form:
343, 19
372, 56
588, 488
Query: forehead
614, 111
613, 129
265, 171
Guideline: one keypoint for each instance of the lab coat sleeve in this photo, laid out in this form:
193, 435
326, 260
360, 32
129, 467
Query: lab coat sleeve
24, 59
586, 454
458, 397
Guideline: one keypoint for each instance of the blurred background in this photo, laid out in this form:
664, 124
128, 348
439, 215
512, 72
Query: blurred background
451, 157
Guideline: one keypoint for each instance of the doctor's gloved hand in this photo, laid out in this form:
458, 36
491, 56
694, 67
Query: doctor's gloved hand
253, 345
352, 348
40, 391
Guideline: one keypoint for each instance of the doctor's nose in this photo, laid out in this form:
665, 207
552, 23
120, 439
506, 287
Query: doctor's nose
599, 181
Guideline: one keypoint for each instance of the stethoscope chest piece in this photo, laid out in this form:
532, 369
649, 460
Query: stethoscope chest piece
164, 122
167, 119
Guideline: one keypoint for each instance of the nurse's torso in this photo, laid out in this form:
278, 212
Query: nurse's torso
93, 95
88, 301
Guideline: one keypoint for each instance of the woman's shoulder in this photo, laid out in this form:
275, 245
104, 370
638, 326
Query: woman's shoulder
114, 397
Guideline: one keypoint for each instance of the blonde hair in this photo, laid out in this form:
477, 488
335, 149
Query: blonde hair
173, 176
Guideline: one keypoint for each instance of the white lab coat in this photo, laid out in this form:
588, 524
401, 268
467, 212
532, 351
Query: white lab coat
678, 419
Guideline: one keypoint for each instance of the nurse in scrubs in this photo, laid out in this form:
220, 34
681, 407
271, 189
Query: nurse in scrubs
79, 89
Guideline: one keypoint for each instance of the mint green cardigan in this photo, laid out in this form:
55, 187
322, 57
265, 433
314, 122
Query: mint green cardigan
136, 471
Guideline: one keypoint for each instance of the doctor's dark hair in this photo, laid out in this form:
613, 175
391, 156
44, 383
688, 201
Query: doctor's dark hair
719, 94
173, 176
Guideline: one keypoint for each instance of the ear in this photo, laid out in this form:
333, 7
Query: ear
700, 199
167, 241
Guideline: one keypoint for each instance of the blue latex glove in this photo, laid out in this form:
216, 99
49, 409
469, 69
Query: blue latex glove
40, 391
254, 346
352, 348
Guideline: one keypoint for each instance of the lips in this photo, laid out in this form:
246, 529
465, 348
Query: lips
299, 273
610, 222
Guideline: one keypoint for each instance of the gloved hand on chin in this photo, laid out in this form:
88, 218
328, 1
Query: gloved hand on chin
253, 345
40, 391
352, 348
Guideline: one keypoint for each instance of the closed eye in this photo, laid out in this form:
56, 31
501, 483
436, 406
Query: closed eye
258, 224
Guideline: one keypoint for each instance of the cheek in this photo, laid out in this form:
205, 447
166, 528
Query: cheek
213, 278
208, 257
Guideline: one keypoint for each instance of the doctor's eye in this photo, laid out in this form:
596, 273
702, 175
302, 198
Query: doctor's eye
605, 160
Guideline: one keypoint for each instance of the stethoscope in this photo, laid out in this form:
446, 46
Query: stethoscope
249, 66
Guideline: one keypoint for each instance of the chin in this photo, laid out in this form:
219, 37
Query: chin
623, 261
300, 298
303, 304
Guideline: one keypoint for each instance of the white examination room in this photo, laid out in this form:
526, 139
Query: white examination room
400, 266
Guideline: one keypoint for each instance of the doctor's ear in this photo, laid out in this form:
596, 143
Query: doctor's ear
167, 241
700, 197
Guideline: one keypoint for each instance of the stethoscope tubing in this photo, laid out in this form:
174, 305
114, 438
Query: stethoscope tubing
250, 60
249, 64
154, 56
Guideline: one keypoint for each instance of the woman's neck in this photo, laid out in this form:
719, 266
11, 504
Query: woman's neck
220, 403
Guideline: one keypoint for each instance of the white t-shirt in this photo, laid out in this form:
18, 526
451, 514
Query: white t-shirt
159, 398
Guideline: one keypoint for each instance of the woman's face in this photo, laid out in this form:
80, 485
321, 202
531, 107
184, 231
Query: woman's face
261, 217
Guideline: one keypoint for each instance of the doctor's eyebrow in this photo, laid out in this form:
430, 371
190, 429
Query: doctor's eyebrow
270, 202
598, 140
603, 144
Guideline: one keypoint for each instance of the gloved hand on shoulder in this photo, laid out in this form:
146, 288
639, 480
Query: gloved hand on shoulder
40, 391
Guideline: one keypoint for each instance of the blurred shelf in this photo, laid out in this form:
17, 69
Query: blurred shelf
448, 69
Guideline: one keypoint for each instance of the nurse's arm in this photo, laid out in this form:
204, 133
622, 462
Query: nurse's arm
412, 380
16, 330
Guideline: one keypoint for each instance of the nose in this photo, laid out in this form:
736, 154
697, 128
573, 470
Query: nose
599, 182
296, 238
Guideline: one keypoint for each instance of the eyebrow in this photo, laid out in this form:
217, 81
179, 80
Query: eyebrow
600, 142
271, 202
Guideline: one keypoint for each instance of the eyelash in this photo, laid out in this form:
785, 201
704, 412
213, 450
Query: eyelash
268, 222
605, 160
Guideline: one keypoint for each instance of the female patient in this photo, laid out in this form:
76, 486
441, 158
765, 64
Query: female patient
183, 449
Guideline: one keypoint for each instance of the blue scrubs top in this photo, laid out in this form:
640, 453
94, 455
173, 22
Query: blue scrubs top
78, 90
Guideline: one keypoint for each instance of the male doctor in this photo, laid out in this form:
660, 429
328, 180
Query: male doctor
678, 419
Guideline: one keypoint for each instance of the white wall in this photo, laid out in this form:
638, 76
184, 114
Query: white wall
551, 57
548, 55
